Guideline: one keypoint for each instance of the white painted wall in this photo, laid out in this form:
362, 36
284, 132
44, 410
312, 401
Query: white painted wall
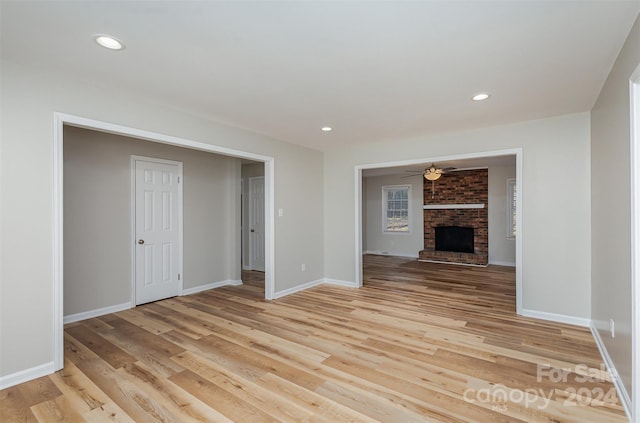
248, 171
97, 184
397, 244
611, 209
556, 177
29, 99
502, 249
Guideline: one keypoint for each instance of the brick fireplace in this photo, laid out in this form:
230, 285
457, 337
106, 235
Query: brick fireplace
459, 200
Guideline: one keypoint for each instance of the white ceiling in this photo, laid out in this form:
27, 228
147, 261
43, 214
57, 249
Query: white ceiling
374, 71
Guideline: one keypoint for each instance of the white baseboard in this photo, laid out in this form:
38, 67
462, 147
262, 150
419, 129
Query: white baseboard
348, 284
390, 253
26, 375
311, 284
560, 318
502, 263
96, 313
289, 291
212, 285
611, 368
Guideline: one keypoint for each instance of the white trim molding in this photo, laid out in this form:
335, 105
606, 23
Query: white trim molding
634, 120
611, 368
554, 317
312, 284
346, 284
298, 288
97, 312
502, 263
26, 375
212, 285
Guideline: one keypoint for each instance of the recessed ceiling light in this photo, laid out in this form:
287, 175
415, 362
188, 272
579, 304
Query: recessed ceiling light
107, 41
480, 97
326, 129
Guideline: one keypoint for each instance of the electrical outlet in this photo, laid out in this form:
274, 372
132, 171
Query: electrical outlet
612, 328
303, 267
280, 212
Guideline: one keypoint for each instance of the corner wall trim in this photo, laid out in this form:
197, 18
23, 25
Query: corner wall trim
219, 284
27, 375
611, 368
560, 318
97, 312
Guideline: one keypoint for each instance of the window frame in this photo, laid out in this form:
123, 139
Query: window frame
385, 190
512, 208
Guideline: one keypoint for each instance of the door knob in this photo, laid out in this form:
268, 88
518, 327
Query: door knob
141, 241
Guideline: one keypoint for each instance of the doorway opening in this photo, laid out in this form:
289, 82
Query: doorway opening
61, 121
368, 209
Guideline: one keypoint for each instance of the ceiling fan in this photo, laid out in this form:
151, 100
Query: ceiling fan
432, 174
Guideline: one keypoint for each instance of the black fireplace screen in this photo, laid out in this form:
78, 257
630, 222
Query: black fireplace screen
454, 238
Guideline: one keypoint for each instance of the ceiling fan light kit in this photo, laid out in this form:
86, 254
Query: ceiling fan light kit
432, 174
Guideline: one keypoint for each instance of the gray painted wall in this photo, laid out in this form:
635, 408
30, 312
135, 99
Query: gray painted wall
30, 96
556, 247
611, 208
399, 244
97, 245
502, 249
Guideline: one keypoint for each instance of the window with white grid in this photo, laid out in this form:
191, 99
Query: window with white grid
396, 206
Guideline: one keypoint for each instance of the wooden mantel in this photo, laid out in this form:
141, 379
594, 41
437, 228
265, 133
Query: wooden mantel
453, 206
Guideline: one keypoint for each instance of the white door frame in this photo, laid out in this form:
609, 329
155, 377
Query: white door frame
250, 226
61, 119
517, 152
132, 222
634, 119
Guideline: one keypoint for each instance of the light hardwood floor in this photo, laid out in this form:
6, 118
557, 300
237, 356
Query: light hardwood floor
420, 342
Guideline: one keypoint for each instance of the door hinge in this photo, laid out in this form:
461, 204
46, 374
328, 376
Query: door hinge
178, 276
178, 179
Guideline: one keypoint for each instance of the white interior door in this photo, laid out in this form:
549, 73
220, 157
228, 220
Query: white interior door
256, 223
158, 232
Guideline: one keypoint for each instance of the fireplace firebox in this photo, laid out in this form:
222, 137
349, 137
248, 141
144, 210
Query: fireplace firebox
454, 238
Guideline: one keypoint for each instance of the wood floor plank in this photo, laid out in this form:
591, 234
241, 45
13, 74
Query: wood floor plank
219, 399
419, 342
57, 410
109, 352
117, 385
85, 397
14, 407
